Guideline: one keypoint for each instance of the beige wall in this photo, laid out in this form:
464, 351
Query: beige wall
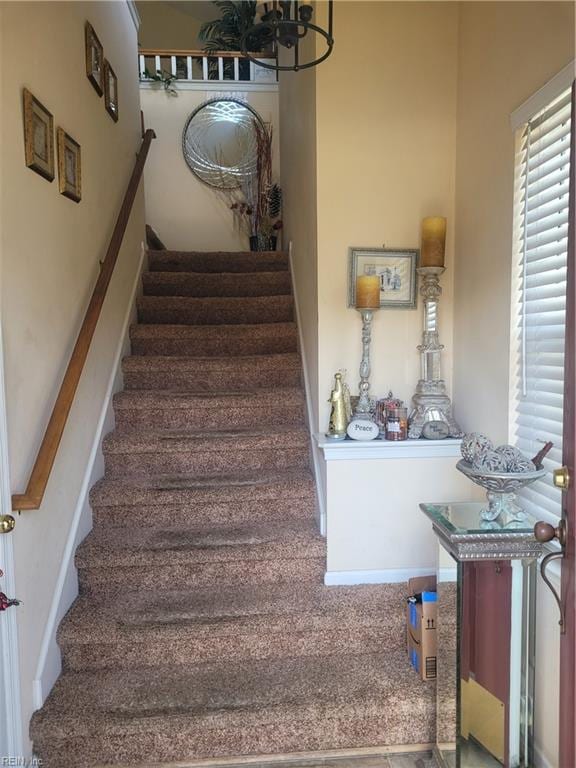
164, 26
186, 213
50, 250
385, 135
298, 164
416, 123
375, 174
507, 51
374, 520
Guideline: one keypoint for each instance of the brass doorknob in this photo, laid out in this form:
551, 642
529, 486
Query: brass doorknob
562, 478
7, 523
544, 532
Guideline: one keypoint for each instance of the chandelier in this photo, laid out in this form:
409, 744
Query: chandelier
286, 24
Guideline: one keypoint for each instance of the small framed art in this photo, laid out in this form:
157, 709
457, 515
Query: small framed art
94, 59
38, 136
69, 166
110, 91
396, 269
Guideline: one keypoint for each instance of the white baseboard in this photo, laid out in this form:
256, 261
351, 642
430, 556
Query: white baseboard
308, 394
447, 574
385, 576
540, 760
66, 589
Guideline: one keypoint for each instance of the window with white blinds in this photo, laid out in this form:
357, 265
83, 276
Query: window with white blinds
539, 300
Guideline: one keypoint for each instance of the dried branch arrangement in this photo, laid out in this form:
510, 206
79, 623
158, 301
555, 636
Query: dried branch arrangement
257, 203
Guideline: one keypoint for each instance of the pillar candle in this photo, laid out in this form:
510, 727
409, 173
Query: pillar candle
368, 292
433, 241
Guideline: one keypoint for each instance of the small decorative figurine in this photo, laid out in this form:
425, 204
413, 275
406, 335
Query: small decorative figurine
338, 416
347, 398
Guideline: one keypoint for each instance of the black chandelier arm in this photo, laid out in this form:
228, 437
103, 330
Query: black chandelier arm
272, 26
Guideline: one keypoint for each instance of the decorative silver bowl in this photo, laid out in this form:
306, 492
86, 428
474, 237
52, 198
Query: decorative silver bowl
501, 489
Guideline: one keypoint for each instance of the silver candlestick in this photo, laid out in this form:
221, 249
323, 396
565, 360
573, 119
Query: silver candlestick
431, 403
362, 409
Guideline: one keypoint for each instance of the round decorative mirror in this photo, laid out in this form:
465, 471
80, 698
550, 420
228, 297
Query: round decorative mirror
219, 142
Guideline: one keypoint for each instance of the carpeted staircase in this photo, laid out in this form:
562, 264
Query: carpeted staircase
203, 629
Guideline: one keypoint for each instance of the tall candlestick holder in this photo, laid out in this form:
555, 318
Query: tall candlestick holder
363, 406
432, 405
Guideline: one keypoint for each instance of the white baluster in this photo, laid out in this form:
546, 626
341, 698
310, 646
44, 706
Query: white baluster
204, 67
142, 61
220, 68
157, 63
189, 67
236, 68
173, 65
252, 72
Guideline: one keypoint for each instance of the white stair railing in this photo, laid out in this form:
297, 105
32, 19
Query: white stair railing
202, 66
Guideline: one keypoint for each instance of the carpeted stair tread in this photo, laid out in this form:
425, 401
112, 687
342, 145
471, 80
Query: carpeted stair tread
205, 453
217, 261
198, 400
226, 611
216, 340
211, 373
222, 707
215, 511
203, 629
221, 284
207, 625
243, 542
261, 486
183, 310
209, 410
128, 441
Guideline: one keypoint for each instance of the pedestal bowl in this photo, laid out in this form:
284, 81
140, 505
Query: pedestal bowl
501, 488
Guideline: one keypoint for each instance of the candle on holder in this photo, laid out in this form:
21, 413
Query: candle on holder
433, 241
368, 292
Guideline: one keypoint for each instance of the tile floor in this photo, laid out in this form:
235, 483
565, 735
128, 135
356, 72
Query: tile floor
406, 760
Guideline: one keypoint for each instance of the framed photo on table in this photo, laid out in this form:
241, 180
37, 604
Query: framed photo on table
38, 136
69, 166
396, 269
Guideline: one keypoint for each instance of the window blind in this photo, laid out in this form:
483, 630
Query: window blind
539, 302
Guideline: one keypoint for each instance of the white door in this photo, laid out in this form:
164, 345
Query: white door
11, 741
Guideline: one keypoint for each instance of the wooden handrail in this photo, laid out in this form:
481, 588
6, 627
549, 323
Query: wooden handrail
164, 52
32, 497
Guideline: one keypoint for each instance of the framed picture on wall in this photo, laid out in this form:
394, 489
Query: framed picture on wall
110, 91
38, 136
69, 166
94, 59
396, 269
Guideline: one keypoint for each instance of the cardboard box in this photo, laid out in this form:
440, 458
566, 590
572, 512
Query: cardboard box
421, 626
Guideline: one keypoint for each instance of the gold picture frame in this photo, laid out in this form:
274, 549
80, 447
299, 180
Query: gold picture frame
38, 136
110, 91
69, 166
94, 59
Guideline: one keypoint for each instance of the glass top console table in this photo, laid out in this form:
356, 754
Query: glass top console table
485, 630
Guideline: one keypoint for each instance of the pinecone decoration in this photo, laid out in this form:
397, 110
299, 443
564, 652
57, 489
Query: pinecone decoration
274, 201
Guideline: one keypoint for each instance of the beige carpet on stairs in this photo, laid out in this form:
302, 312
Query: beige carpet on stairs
203, 629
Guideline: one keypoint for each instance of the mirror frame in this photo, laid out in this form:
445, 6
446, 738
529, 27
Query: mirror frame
193, 115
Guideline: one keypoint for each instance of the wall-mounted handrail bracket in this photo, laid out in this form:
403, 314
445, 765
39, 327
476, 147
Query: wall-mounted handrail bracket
545, 532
